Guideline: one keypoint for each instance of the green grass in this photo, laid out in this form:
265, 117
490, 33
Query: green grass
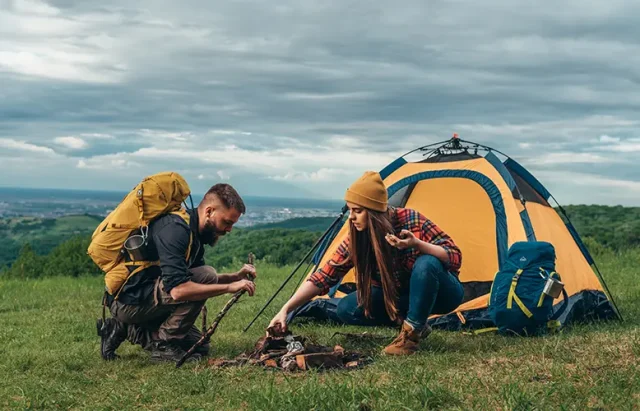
49, 359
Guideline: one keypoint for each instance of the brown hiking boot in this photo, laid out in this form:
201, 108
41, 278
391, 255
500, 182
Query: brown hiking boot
405, 343
112, 333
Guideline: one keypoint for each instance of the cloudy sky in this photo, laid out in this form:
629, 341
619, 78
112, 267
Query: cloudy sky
298, 98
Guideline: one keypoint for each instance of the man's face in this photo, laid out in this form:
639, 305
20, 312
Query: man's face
218, 222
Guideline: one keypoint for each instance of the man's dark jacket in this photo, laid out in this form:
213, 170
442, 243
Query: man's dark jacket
168, 242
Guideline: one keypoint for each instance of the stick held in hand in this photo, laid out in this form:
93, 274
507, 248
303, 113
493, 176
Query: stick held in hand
207, 336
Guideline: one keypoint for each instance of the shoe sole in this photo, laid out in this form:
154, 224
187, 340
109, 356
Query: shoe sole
399, 354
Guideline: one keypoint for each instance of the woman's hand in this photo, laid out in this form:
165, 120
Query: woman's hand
407, 240
279, 322
305, 293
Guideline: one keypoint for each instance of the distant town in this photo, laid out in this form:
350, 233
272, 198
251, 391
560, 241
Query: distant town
44, 203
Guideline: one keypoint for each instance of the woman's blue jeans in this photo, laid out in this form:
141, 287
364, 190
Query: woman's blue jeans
432, 290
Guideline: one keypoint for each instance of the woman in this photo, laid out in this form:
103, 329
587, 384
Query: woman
406, 268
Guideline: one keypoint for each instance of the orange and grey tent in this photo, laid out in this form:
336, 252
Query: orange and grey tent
485, 204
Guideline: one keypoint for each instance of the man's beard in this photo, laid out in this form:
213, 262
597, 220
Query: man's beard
209, 234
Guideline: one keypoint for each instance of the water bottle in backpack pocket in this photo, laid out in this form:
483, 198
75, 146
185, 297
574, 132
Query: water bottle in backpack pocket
523, 291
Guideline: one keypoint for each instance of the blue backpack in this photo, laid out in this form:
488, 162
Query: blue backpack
519, 302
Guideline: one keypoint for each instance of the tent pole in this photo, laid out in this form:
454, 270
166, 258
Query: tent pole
606, 288
306, 270
425, 147
564, 213
599, 274
597, 270
339, 218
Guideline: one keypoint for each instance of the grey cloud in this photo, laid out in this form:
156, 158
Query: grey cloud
297, 74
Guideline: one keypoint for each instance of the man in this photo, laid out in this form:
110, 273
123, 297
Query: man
158, 307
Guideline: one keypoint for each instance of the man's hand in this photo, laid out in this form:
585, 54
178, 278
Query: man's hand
248, 271
247, 285
407, 240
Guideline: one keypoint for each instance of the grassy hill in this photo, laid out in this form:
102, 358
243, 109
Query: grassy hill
27, 228
50, 359
49, 349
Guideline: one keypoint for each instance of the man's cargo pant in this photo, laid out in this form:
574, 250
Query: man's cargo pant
162, 317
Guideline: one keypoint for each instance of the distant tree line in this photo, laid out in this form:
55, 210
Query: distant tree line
615, 227
276, 246
69, 258
41, 246
604, 229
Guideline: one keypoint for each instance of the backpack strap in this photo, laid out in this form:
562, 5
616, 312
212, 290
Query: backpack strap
563, 308
511, 297
512, 290
484, 331
140, 265
542, 294
190, 244
203, 310
140, 196
553, 324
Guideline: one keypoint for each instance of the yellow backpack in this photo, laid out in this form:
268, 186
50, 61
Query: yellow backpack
118, 243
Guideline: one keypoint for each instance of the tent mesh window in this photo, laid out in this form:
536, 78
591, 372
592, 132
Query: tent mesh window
399, 198
527, 191
475, 289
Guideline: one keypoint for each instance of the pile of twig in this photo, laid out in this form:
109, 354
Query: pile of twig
290, 352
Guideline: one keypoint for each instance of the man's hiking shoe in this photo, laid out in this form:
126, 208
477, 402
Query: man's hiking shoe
112, 333
405, 343
164, 351
192, 337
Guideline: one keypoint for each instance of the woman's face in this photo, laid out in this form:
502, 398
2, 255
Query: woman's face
358, 216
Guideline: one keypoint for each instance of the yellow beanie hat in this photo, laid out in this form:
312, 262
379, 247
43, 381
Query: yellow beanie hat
369, 192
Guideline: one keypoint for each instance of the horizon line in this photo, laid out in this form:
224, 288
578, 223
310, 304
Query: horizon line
193, 193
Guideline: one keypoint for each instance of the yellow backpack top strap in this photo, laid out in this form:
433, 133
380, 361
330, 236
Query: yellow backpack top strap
182, 213
190, 244
140, 202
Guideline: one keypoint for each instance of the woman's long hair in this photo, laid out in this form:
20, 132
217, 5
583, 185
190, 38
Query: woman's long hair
370, 251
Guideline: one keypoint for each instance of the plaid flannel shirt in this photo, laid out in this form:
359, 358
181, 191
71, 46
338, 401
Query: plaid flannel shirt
405, 219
